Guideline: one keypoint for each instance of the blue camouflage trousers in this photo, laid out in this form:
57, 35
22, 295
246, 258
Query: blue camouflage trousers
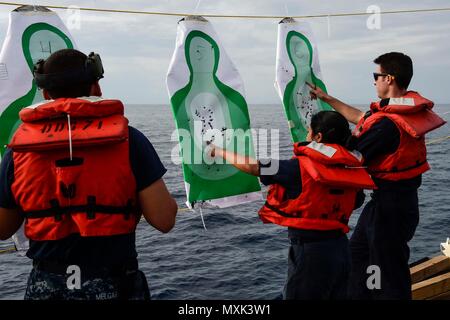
44, 285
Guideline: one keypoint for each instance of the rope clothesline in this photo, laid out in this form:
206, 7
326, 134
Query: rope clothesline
209, 15
437, 140
8, 250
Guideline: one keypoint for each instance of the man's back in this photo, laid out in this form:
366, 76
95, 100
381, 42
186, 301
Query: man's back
83, 189
146, 167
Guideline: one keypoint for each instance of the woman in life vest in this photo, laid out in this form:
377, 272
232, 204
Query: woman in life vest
313, 194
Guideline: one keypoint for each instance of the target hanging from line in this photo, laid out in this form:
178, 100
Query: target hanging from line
208, 104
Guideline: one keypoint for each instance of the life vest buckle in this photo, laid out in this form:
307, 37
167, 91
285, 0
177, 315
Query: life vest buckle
56, 209
90, 209
128, 209
344, 220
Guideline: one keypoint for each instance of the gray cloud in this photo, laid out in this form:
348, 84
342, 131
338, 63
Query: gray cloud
136, 49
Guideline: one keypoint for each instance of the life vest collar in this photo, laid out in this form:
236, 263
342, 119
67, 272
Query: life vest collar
329, 154
412, 113
86, 107
411, 102
46, 126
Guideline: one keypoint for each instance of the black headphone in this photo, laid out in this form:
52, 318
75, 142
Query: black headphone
92, 71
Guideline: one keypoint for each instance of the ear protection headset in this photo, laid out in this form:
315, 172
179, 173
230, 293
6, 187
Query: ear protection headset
92, 71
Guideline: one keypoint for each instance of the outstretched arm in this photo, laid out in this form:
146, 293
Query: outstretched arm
244, 163
350, 113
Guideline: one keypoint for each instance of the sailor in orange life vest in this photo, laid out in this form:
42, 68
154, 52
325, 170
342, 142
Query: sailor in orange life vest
81, 178
391, 138
313, 194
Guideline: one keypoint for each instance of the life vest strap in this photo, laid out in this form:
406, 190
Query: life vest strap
342, 219
394, 170
91, 208
282, 213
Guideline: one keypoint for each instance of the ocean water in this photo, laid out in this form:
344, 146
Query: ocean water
238, 257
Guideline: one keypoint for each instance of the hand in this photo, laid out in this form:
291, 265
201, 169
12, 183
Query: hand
316, 92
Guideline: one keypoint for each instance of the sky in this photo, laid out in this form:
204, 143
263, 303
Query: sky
136, 49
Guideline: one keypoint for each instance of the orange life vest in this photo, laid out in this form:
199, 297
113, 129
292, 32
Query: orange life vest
331, 176
413, 117
92, 194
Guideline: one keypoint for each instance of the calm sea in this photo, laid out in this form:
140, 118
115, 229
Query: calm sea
237, 257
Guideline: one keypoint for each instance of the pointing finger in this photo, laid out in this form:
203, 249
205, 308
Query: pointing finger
310, 85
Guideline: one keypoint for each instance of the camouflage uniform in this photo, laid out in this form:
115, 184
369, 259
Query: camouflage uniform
98, 285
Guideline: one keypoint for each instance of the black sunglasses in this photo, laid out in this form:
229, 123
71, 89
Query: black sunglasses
376, 75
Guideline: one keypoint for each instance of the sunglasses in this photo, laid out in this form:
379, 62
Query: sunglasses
376, 75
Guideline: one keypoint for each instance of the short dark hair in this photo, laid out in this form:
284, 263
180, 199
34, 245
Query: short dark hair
334, 128
397, 64
67, 60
